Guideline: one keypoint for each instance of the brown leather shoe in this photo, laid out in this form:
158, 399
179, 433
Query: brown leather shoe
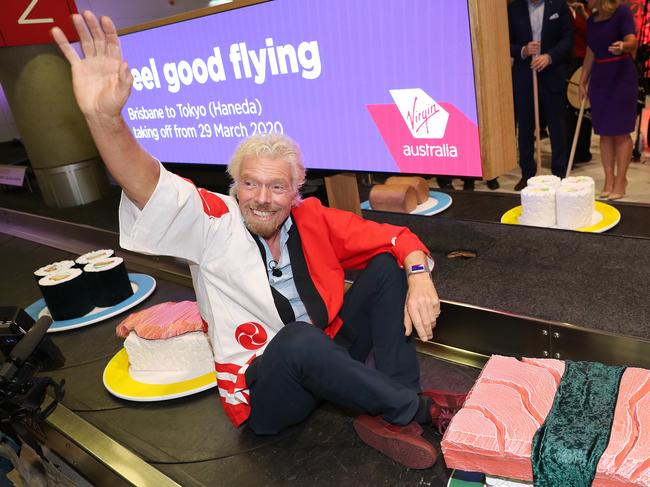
404, 444
521, 184
444, 405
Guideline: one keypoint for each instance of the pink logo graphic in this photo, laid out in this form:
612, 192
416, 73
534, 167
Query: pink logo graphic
251, 335
425, 118
457, 153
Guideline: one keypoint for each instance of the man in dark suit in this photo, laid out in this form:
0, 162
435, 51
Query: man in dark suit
541, 39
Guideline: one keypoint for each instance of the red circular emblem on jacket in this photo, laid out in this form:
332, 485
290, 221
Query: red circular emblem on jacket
251, 335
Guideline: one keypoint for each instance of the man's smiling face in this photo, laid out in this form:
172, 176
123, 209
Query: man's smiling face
265, 193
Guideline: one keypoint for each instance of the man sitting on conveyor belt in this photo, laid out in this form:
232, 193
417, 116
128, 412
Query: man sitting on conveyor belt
268, 271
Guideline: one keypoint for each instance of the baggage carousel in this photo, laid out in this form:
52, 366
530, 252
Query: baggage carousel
187, 441
509, 290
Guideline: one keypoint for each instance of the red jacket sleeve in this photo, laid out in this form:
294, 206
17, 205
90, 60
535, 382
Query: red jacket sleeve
356, 240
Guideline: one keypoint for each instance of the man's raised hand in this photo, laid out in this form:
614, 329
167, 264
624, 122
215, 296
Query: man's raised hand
102, 83
101, 80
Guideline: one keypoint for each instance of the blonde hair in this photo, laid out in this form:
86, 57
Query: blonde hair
273, 146
607, 7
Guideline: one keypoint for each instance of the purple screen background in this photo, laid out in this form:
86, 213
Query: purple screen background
367, 47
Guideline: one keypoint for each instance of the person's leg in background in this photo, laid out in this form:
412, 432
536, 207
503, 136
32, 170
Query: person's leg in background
468, 184
623, 154
525, 135
608, 157
552, 104
493, 183
583, 149
444, 182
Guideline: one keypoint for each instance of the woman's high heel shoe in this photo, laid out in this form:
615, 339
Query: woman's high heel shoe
617, 196
604, 194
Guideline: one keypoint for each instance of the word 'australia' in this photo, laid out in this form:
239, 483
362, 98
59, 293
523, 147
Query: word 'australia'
429, 150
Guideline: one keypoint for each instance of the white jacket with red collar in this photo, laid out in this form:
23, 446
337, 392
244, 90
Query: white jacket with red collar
229, 277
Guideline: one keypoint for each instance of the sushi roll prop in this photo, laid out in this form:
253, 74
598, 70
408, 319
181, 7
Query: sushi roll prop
53, 268
66, 294
108, 281
93, 256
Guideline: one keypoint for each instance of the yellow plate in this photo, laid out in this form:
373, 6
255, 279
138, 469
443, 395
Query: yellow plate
119, 383
605, 217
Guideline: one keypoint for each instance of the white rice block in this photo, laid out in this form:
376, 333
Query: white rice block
54, 267
575, 206
580, 181
190, 353
546, 181
538, 206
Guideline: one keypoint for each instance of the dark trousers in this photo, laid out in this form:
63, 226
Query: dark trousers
552, 109
583, 146
302, 366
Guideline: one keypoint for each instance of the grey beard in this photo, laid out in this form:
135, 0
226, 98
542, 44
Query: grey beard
261, 232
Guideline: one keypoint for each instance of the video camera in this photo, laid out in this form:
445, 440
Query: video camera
26, 350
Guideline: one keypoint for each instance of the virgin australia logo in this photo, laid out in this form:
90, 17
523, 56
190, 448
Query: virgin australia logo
425, 118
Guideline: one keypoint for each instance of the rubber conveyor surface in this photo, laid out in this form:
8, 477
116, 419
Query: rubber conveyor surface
597, 281
190, 439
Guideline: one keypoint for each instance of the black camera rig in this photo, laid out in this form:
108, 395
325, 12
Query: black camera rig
26, 351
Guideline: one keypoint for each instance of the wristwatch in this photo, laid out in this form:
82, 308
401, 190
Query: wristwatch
417, 269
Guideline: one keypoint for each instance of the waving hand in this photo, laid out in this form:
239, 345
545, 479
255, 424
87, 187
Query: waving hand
102, 83
101, 80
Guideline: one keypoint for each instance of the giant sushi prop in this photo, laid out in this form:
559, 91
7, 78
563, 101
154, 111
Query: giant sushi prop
515, 407
71, 292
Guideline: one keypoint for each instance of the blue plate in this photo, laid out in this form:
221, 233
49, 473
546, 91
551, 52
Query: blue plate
142, 284
436, 203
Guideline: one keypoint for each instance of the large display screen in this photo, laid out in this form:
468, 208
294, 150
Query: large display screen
362, 85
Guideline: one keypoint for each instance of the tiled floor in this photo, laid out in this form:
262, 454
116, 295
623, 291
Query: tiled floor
638, 176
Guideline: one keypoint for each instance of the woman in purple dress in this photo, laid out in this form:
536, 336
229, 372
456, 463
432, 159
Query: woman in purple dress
610, 74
